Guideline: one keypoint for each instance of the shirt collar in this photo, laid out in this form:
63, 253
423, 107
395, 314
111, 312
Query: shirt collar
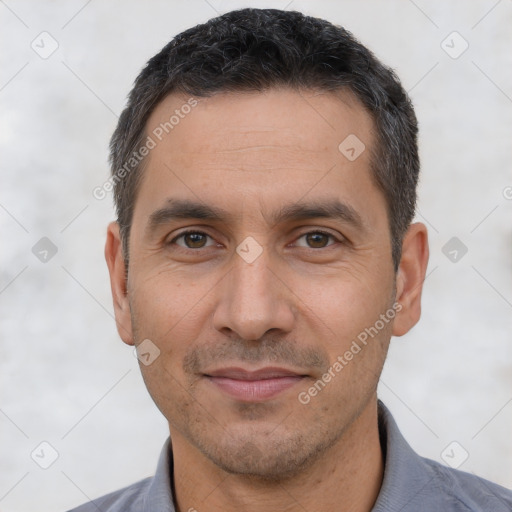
159, 495
406, 477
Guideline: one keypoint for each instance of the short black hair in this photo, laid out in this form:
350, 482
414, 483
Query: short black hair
257, 49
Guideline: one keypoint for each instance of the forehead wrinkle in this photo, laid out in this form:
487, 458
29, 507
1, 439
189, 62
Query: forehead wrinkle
250, 147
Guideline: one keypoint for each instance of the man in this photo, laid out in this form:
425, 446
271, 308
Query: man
265, 175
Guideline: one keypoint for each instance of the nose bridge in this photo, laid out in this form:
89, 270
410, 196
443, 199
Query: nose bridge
251, 283
252, 300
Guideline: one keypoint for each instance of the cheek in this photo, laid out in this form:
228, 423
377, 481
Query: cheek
170, 392
356, 340
342, 305
167, 308
172, 321
171, 315
354, 336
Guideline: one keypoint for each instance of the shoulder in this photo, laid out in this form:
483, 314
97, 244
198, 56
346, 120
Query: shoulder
465, 491
413, 483
127, 499
151, 494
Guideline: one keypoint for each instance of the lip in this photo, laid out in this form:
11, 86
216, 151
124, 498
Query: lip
254, 386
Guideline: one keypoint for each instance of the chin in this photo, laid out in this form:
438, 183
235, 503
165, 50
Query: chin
269, 457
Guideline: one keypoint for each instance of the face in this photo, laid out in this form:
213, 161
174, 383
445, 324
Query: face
259, 253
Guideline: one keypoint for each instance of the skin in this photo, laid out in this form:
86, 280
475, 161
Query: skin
299, 304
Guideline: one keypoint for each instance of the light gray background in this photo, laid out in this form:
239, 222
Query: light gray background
65, 376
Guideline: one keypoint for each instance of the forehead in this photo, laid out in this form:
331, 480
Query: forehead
274, 146
312, 120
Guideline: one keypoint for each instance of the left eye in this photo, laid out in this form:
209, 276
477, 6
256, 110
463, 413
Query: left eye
316, 239
193, 240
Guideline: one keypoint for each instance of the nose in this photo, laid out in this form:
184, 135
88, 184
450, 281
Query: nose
253, 301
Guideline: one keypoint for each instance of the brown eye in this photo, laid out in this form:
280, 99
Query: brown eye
192, 240
317, 240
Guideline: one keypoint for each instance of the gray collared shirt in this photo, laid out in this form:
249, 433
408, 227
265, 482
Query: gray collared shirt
411, 484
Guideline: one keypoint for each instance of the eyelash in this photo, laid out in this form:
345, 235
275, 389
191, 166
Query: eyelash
316, 231
189, 232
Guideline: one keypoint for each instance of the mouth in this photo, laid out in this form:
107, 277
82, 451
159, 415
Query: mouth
254, 386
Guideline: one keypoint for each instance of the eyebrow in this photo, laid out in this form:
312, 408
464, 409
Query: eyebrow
327, 209
175, 209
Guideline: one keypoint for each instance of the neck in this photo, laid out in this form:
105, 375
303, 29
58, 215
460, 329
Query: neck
347, 477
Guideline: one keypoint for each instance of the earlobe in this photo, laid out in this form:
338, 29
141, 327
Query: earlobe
410, 277
117, 270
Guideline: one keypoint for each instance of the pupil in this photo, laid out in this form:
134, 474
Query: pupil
317, 239
195, 240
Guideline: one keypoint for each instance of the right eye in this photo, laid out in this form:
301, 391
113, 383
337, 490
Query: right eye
192, 240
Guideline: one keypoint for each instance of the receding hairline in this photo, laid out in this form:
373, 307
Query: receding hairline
343, 93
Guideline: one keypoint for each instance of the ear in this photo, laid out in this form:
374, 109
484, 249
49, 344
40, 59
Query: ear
118, 284
410, 277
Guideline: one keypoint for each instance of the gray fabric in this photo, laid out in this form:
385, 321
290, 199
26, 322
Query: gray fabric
411, 484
